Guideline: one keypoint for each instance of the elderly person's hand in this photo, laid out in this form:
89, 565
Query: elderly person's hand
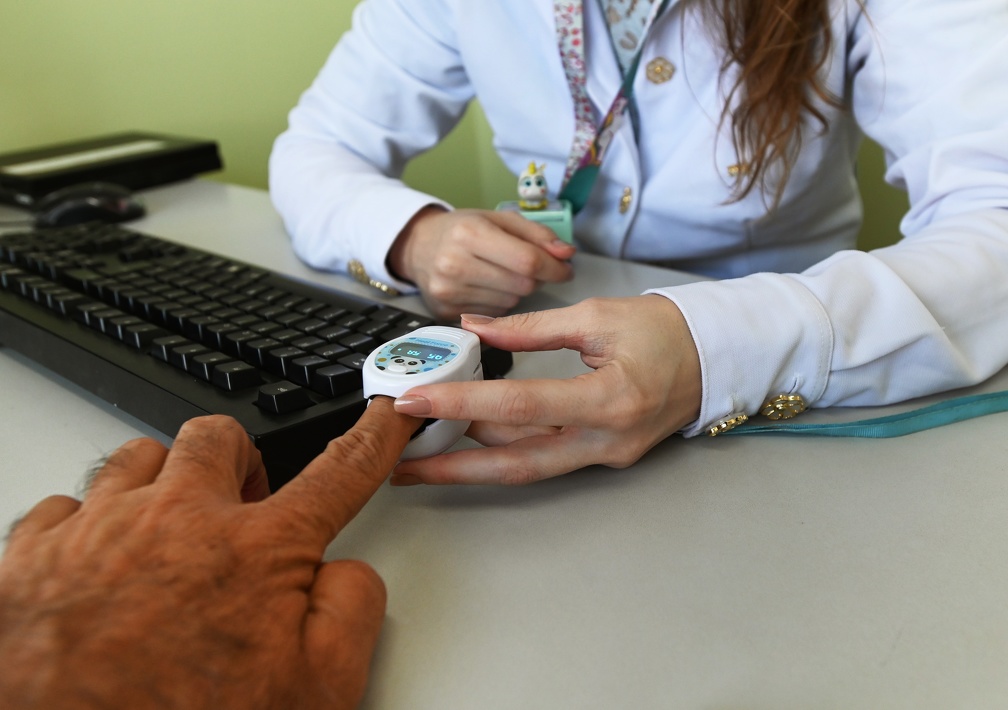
178, 583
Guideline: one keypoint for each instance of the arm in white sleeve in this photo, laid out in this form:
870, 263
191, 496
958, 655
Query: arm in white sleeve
391, 89
926, 315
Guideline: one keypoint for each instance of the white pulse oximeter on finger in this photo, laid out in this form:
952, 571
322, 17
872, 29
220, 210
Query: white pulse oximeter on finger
426, 356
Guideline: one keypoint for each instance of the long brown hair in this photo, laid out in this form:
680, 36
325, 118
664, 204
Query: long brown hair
780, 48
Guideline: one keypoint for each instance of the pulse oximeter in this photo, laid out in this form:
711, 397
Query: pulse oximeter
425, 356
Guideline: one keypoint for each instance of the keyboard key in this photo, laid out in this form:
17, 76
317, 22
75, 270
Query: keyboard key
351, 320
309, 325
282, 397
235, 376
203, 365
66, 303
354, 361
117, 326
309, 342
179, 318
101, 319
331, 351
333, 333
270, 311
334, 380
213, 334
233, 341
161, 347
26, 283
360, 342
373, 328
289, 301
8, 274
277, 361
79, 279
159, 312
254, 351
287, 319
263, 327
386, 315
285, 335
195, 327
301, 370
309, 307
330, 313
412, 322
142, 335
182, 356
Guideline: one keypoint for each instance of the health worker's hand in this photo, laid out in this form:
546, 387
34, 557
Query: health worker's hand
644, 386
163, 589
477, 261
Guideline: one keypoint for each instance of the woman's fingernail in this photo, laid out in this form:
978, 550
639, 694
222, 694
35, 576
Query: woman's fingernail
477, 319
404, 479
413, 404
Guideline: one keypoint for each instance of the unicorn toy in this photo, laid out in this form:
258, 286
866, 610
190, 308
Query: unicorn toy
534, 203
532, 188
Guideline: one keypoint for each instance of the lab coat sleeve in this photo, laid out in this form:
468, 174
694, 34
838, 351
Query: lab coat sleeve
392, 88
929, 83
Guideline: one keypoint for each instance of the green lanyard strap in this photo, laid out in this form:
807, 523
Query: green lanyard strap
579, 184
946, 412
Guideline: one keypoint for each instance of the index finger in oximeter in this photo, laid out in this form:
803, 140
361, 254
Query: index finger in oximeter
426, 356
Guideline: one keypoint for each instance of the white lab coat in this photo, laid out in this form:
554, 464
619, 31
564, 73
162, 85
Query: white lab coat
796, 309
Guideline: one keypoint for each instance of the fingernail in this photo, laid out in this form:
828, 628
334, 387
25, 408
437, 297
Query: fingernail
477, 319
404, 479
413, 404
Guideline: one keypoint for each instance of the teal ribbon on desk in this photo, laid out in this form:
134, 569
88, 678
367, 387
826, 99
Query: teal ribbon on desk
929, 417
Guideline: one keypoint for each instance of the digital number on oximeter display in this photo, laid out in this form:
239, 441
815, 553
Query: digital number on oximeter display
421, 352
415, 355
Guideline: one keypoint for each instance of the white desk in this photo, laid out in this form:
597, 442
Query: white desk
737, 572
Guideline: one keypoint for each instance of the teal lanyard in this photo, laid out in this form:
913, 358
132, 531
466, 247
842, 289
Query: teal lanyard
579, 184
948, 411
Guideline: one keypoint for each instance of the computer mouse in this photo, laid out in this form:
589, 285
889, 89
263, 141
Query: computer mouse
88, 202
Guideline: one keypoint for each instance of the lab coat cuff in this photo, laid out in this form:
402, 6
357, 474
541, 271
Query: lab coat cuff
382, 220
356, 240
758, 337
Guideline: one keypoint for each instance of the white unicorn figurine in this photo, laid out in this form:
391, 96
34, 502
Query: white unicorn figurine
532, 188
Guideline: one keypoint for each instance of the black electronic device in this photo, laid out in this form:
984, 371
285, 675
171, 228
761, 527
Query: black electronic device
134, 160
88, 202
167, 332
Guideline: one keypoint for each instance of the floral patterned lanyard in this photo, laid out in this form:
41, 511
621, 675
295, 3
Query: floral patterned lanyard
590, 141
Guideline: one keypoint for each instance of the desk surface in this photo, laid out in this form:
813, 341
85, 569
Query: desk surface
736, 572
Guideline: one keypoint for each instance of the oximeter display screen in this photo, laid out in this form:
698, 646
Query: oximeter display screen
420, 351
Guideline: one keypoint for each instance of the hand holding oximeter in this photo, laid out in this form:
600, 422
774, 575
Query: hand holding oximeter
426, 356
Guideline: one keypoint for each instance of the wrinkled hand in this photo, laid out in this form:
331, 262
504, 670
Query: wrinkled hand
644, 386
477, 261
162, 589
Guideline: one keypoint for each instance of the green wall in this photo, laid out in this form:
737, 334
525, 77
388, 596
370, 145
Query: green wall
228, 70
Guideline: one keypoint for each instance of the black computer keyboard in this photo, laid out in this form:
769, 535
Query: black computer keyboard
168, 332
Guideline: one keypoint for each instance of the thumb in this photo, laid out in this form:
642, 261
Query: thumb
345, 614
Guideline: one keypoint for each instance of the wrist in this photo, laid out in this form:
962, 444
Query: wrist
399, 261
